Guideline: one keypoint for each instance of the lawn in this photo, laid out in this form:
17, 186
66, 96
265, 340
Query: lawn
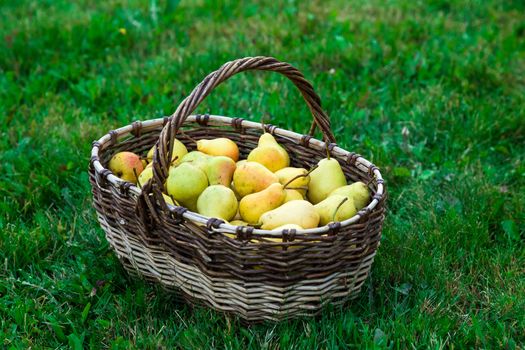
432, 92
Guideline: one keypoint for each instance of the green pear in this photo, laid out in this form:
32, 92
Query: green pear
185, 183
194, 155
179, 151
219, 147
269, 153
335, 208
298, 212
252, 206
219, 170
252, 177
197, 158
357, 191
126, 165
217, 201
324, 179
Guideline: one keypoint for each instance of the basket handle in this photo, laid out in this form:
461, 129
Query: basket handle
199, 93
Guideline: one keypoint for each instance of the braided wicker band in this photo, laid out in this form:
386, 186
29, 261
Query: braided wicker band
239, 270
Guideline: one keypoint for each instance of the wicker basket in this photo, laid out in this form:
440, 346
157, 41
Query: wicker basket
235, 269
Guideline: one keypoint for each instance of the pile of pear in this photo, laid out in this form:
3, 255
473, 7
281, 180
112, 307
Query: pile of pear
262, 191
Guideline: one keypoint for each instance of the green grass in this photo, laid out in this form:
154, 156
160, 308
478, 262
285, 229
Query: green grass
432, 92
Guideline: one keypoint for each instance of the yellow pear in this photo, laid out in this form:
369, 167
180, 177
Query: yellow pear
126, 165
219, 147
324, 179
185, 183
144, 176
168, 199
238, 223
219, 170
357, 191
252, 206
179, 151
292, 195
252, 177
217, 201
269, 153
335, 208
288, 173
299, 212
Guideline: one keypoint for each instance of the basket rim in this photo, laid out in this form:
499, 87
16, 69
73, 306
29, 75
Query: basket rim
360, 162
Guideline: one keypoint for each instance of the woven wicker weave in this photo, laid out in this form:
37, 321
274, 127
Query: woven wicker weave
229, 268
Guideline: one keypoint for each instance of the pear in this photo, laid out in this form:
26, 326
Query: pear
144, 163
288, 173
168, 199
217, 201
219, 147
193, 156
185, 183
238, 223
357, 191
179, 151
252, 206
145, 176
196, 158
335, 208
126, 165
299, 212
269, 153
324, 179
219, 170
292, 195
252, 177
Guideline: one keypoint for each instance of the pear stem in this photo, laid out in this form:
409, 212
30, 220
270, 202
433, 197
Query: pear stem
327, 152
299, 176
297, 188
137, 177
174, 160
188, 136
339, 206
312, 169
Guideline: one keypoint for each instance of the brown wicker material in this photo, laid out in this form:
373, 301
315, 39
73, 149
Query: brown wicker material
229, 268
